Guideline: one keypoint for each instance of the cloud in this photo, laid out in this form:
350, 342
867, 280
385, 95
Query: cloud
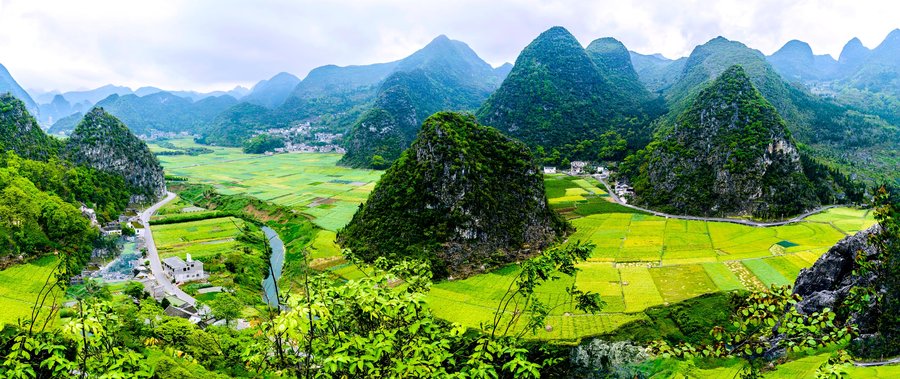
216, 44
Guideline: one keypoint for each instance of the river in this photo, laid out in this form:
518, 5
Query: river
276, 262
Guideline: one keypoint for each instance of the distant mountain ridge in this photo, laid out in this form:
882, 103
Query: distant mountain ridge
444, 75
160, 111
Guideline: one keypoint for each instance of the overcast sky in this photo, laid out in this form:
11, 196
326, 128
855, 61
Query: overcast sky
217, 44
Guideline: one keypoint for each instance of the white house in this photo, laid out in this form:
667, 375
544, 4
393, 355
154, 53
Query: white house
578, 167
181, 271
549, 170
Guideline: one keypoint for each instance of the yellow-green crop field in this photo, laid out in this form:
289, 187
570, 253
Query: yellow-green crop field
309, 182
642, 261
19, 288
201, 239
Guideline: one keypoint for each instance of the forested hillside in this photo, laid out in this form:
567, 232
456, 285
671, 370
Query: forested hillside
103, 142
463, 197
728, 153
559, 102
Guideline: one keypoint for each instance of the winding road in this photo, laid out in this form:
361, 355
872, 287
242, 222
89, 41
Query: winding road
718, 219
153, 255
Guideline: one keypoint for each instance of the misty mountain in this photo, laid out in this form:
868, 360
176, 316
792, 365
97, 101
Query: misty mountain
9, 85
273, 92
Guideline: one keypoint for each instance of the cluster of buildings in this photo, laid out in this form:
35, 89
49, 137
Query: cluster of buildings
153, 135
577, 168
304, 138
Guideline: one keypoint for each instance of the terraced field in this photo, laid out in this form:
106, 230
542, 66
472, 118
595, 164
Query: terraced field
311, 183
19, 287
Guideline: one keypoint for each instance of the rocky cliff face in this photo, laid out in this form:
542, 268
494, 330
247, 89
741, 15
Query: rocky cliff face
828, 283
103, 142
728, 153
463, 197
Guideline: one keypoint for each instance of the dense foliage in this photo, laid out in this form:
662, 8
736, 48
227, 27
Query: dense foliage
728, 153
763, 326
34, 222
463, 197
445, 75
103, 142
881, 300
556, 95
235, 125
262, 143
846, 137
20, 133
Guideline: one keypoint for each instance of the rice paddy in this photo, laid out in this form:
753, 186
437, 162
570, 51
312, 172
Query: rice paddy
200, 239
308, 182
641, 261
19, 288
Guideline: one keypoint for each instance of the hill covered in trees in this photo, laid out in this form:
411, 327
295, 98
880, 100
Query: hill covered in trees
463, 197
557, 97
20, 132
103, 142
728, 153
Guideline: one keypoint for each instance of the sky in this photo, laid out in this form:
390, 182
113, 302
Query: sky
210, 45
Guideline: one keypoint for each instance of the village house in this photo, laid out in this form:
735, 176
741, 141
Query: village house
183, 271
549, 170
111, 228
578, 167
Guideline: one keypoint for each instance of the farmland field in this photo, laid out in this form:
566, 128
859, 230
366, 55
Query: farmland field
640, 260
201, 239
19, 287
309, 182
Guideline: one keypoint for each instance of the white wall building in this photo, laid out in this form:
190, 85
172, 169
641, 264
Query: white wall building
181, 271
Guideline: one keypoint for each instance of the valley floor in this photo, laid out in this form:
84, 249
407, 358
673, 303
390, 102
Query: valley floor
640, 260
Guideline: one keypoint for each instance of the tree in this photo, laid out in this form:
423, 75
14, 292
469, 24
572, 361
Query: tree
226, 306
765, 324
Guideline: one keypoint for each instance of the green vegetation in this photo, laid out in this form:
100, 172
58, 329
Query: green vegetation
262, 143
731, 154
557, 98
463, 198
20, 133
445, 75
837, 135
20, 285
231, 251
103, 142
309, 183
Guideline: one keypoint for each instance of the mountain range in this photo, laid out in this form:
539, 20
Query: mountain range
565, 101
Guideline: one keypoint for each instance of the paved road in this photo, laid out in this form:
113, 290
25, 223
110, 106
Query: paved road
879, 363
718, 219
153, 255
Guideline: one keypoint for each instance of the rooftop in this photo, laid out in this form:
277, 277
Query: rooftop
174, 262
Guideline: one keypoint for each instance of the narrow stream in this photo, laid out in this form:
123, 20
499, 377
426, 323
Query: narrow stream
270, 295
